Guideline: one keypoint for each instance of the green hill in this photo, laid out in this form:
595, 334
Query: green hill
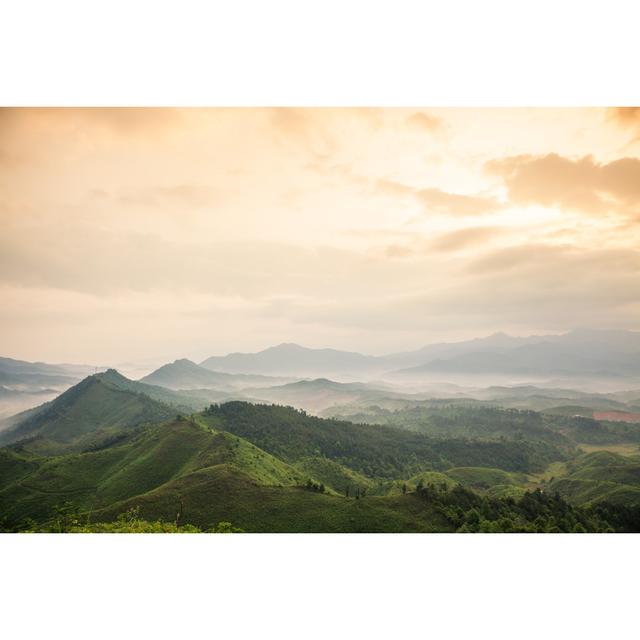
468, 420
98, 409
337, 477
104, 400
601, 476
32, 486
373, 451
212, 476
483, 478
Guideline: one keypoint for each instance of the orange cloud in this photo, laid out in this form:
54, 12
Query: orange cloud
438, 201
582, 185
425, 122
463, 238
628, 117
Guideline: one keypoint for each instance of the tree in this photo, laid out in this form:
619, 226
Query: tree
404, 488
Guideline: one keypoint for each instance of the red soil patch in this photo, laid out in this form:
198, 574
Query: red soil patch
616, 416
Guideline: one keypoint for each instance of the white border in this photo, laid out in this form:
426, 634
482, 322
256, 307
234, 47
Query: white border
319, 586
335, 52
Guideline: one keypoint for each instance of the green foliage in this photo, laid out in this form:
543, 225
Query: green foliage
483, 477
335, 476
601, 476
34, 486
534, 512
467, 421
373, 451
128, 522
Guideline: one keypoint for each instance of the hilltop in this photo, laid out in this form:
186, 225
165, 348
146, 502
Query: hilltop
103, 400
185, 374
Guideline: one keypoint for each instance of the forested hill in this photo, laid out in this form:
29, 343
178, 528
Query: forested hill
375, 451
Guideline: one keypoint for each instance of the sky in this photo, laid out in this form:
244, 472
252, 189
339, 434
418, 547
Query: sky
131, 235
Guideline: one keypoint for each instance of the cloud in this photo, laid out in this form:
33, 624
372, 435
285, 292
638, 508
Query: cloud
438, 201
464, 238
425, 122
455, 204
307, 128
581, 184
625, 115
393, 188
28, 133
528, 286
628, 117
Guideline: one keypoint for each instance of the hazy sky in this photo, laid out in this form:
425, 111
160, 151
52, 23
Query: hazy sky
133, 234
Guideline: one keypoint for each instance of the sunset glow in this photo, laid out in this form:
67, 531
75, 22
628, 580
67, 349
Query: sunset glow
132, 233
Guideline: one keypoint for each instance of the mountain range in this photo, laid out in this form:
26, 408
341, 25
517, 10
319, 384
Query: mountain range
579, 355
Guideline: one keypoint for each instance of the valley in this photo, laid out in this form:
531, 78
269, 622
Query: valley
259, 449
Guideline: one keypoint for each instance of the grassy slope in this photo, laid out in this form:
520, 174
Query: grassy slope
333, 475
483, 477
158, 455
104, 403
94, 403
601, 476
223, 494
217, 476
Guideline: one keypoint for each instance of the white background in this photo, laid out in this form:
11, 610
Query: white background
319, 53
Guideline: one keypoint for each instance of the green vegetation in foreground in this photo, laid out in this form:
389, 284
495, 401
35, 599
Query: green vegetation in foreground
33, 486
68, 520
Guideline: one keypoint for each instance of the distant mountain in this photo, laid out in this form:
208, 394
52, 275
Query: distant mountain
293, 360
18, 367
584, 351
185, 374
499, 342
321, 394
580, 354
